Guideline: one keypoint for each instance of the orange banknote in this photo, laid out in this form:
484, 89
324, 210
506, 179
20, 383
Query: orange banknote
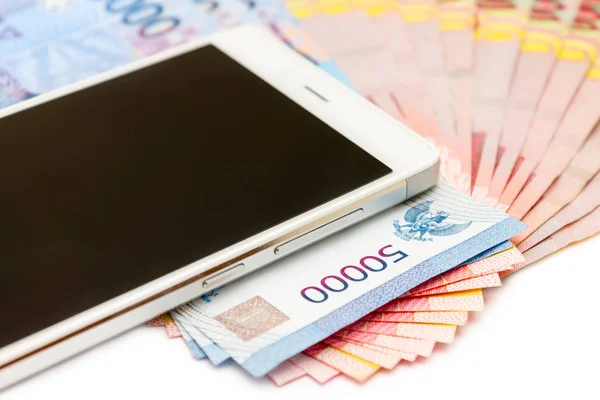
349, 365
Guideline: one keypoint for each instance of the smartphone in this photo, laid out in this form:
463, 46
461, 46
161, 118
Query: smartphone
132, 192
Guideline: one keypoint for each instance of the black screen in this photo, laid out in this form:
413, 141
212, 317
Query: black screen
117, 185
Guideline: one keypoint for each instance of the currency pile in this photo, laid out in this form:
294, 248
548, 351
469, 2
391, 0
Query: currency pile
506, 90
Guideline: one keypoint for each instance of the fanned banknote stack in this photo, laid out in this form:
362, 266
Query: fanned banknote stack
506, 90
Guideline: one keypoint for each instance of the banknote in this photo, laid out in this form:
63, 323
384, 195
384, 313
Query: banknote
419, 92
423, 26
59, 47
410, 357
356, 35
408, 94
385, 360
499, 262
199, 339
465, 276
498, 41
285, 373
352, 366
478, 282
431, 317
436, 332
569, 72
542, 41
442, 326
156, 322
582, 114
396, 75
581, 229
195, 349
317, 370
446, 317
489, 253
171, 327
416, 346
578, 122
583, 204
344, 31
403, 93
469, 300
565, 189
393, 258
457, 19
496, 259
86, 38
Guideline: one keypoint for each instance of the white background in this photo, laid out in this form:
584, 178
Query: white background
537, 337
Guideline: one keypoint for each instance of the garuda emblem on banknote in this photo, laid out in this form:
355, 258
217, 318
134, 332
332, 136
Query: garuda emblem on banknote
422, 221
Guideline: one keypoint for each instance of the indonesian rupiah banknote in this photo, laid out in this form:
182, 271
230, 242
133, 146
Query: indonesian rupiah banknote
583, 204
498, 40
43, 48
344, 278
560, 140
541, 45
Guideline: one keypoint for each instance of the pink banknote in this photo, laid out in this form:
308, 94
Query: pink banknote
156, 321
423, 97
285, 373
496, 54
436, 332
478, 282
581, 229
416, 346
345, 32
429, 317
171, 328
347, 364
457, 19
385, 360
544, 34
469, 300
572, 88
577, 124
317, 370
565, 189
402, 354
357, 35
567, 75
405, 97
498, 262
583, 204
423, 28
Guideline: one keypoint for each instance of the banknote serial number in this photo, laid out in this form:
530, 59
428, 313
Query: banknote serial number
147, 16
351, 274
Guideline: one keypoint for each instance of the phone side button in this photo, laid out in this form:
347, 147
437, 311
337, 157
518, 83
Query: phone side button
319, 233
223, 276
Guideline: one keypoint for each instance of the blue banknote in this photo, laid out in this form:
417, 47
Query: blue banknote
217, 356
266, 317
196, 350
47, 44
198, 341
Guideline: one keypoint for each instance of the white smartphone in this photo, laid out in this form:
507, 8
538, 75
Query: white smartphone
132, 192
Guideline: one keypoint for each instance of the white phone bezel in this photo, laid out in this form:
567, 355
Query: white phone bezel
405, 152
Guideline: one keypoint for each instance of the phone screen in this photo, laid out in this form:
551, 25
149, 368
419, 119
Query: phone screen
114, 186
